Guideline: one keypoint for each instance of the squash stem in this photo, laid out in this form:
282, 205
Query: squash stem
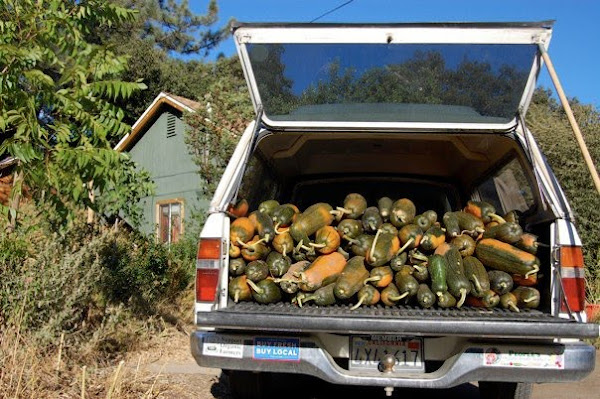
373, 246
513, 307
236, 297
476, 282
360, 301
536, 269
374, 278
396, 298
312, 244
255, 287
463, 296
284, 250
343, 210
420, 268
421, 257
497, 218
529, 300
410, 241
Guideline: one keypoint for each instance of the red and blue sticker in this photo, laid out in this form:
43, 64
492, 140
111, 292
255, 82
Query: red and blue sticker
276, 349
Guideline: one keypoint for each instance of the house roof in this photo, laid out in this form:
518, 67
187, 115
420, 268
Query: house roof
177, 102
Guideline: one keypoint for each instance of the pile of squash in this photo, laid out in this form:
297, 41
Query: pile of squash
359, 255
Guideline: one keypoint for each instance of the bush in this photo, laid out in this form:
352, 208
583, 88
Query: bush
549, 124
75, 280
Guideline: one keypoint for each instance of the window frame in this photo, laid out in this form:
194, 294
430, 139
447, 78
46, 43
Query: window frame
169, 202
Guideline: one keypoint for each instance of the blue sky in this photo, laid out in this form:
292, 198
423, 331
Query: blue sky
574, 49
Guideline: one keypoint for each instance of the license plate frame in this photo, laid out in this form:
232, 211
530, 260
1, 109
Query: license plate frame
366, 352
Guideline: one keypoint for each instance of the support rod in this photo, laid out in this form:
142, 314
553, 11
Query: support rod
576, 131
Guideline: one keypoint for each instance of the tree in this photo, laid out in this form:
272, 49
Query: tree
157, 41
58, 94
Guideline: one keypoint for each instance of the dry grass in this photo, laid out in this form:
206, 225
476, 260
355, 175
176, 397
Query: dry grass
74, 368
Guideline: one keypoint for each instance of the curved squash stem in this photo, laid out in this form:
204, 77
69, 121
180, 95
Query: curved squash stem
344, 210
255, 287
536, 269
299, 246
373, 245
421, 257
360, 301
344, 253
284, 250
463, 296
285, 280
497, 218
236, 297
253, 245
476, 282
374, 278
396, 298
420, 268
372, 225
312, 244
529, 300
350, 240
410, 241
338, 214
283, 230
513, 307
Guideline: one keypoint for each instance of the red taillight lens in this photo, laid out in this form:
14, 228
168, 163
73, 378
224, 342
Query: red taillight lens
206, 284
573, 278
207, 269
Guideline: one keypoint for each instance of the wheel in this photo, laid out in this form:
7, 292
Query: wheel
248, 384
504, 390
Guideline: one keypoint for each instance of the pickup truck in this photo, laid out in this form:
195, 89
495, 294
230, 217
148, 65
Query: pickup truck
433, 112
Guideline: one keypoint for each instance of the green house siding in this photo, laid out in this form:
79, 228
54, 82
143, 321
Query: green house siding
162, 151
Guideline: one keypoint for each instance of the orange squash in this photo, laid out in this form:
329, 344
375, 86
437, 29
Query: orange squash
241, 231
239, 209
327, 240
324, 270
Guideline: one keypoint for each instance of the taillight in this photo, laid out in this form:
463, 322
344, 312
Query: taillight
208, 266
573, 278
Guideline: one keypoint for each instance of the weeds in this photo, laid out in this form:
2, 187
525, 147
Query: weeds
74, 302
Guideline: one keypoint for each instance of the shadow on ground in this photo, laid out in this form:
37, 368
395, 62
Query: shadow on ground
304, 387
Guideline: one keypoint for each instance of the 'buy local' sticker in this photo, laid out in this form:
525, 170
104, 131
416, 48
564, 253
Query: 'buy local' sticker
278, 349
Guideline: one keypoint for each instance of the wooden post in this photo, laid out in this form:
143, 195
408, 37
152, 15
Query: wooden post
90, 212
576, 131
15, 200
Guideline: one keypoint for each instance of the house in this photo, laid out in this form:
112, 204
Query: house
156, 143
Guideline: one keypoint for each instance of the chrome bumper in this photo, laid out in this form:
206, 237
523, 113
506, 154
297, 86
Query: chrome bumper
236, 351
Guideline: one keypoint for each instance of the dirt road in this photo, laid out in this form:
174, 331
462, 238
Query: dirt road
185, 379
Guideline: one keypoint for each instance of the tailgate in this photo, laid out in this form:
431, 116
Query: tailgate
407, 320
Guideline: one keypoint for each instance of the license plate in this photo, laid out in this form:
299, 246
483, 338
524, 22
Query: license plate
366, 352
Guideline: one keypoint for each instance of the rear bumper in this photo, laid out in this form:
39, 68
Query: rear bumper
560, 362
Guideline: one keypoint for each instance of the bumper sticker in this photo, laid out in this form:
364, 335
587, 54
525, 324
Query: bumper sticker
494, 357
214, 345
277, 349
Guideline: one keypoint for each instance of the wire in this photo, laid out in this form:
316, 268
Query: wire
332, 10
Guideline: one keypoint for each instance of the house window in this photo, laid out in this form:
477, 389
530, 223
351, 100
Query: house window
170, 217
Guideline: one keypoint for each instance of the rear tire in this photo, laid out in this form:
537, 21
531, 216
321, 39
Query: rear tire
505, 390
248, 384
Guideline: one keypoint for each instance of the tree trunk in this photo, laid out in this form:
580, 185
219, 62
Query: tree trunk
90, 212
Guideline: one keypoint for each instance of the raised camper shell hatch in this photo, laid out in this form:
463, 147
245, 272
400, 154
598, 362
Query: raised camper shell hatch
411, 77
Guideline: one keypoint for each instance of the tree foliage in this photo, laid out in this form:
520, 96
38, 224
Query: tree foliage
215, 129
58, 94
159, 43
549, 124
